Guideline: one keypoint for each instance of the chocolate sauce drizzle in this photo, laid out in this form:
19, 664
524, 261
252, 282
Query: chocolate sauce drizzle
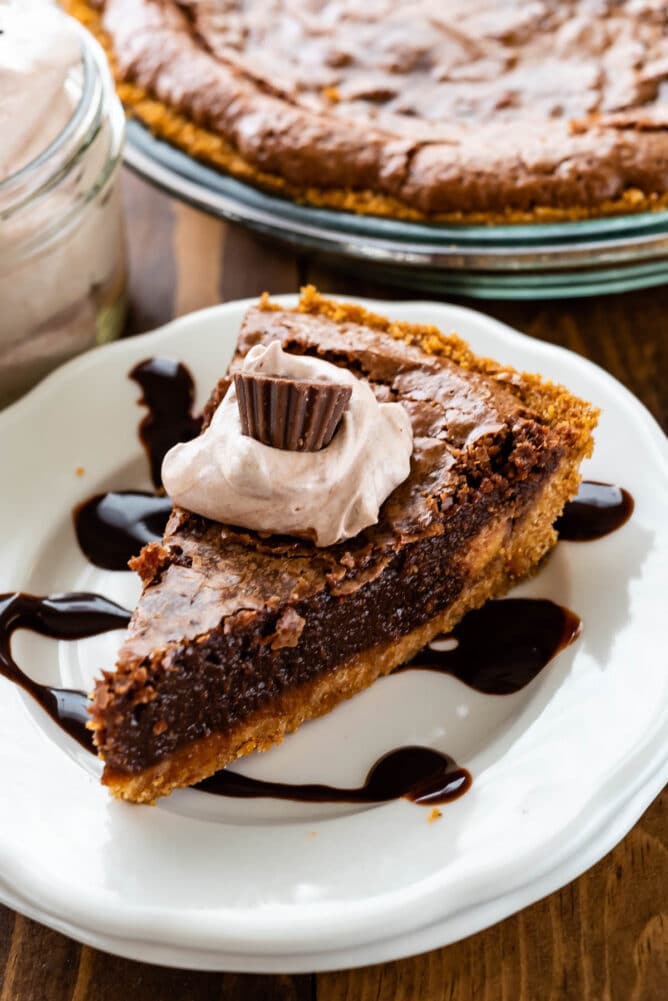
500, 648
168, 392
421, 774
61, 617
598, 510
112, 528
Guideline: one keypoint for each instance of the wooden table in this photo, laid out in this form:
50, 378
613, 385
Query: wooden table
603, 937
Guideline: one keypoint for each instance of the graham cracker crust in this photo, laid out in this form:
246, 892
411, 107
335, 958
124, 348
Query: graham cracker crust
502, 554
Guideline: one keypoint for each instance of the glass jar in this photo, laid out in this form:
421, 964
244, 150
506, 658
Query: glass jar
62, 250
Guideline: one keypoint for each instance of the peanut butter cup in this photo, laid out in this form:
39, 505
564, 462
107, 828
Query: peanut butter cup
291, 414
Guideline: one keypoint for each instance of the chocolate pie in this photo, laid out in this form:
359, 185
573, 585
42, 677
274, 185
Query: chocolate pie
471, 110
240, 636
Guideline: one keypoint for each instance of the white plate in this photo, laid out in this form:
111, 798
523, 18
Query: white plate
561, 770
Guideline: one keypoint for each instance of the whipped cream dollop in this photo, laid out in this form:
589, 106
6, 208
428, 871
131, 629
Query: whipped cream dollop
326, 496
40, 49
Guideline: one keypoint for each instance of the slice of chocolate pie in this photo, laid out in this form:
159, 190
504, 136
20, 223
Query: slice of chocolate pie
246, 629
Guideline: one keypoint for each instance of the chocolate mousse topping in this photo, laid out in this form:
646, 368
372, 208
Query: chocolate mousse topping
288, 413
470, 107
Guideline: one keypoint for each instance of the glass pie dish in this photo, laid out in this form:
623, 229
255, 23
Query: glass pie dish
523, 261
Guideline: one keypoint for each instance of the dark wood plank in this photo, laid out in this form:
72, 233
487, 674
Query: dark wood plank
7, 918
198, 249
42, 965
106, 978
252, 264
149, 224
350, 279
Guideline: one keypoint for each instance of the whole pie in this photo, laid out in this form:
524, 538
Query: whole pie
462, 110
241, 635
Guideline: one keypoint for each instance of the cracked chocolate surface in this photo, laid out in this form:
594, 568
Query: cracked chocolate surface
470, 106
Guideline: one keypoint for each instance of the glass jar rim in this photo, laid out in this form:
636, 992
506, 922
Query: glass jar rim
44, 171
96, 122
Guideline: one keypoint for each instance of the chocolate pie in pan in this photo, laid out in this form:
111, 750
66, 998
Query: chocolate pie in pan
471, 110
292, 576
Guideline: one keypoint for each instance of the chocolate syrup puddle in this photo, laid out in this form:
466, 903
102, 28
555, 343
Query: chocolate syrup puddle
598, 510
168, 392
500, 648
421, 774
61, 617
112, 528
